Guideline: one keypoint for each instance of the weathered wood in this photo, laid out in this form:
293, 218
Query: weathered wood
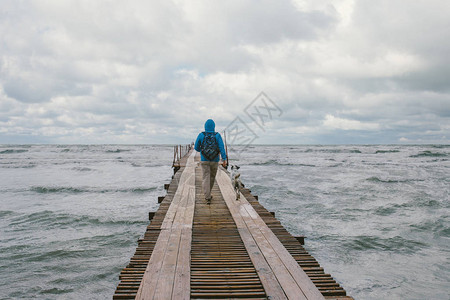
271, 285
228, 249
181, 288
168, 262
220, 264
300, 239
301, 278
294, 281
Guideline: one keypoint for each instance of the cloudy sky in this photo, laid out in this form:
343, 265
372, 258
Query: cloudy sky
337, 71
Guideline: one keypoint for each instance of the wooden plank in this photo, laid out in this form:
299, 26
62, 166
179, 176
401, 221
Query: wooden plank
174, 205
222, 265
167, 273
166, 276
289, 285
271, 285
181, 289
289, 274
165, 286
150, 279
302, 280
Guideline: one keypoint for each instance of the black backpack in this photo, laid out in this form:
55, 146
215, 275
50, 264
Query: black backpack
210, 147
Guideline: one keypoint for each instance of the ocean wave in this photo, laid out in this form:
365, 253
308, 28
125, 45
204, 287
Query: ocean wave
438, 227
82, 169
439, 160
48, 190
50, 219
445, 232
14, 165
277, 163
5, 213
385, 211
377, 179
136, 190
355, 151
327, 150
73, 190
58, 254
117, 151
335, 165
411, 204
268, 162
300, 165
429, 203
56, 291
428, 153
11, 151
386, 151
395, 244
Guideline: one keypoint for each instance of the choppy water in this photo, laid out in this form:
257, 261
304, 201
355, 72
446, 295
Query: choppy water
375, 217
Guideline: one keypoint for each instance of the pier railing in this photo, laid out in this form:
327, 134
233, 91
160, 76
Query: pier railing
180, 151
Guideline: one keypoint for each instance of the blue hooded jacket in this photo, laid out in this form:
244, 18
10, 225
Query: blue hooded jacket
210, 127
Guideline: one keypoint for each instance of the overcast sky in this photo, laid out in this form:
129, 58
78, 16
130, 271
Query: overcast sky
337, 71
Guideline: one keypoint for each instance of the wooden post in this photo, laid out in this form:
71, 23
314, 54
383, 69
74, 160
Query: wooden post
174, 156
175, 169
300, 239
226, 146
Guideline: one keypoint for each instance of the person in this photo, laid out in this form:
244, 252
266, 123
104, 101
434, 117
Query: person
209, 143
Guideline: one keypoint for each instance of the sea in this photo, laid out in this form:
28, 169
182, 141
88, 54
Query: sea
376, 217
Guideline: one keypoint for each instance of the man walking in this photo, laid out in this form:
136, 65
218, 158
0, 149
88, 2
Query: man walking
209, 143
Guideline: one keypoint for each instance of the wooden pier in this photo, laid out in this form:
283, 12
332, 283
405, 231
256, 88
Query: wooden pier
224, 250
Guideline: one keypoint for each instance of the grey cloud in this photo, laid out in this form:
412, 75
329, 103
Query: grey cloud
419, 28
416, 25
148, 71
35, 89
434, 78
262, 22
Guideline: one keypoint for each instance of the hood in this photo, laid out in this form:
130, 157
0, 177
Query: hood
210, 126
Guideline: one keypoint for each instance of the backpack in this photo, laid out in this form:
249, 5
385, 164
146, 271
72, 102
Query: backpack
210, 147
